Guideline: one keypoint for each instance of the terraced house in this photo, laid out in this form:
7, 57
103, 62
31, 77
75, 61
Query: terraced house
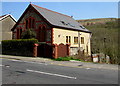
6, 23
61, 34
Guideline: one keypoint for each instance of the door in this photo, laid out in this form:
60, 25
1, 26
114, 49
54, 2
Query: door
44, 50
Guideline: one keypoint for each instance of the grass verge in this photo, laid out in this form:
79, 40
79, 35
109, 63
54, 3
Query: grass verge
66, 59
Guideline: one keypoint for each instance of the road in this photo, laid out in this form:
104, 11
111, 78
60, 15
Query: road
25, 72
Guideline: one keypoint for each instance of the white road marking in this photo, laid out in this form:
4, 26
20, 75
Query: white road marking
7, 65
4, 65
51, 74
33, 62
87, 68
1, 65
17, 60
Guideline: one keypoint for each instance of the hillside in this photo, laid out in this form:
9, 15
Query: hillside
96, 21
104, 36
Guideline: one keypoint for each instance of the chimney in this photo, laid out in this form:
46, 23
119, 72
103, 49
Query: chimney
71, 16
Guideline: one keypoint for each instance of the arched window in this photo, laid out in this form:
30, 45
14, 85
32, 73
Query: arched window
30, 23
33, 23
42, 34
26, 24
19, 32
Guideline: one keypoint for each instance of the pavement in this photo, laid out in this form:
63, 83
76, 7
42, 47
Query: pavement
76, 64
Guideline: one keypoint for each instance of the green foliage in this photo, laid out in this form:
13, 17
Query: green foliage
108, 25
22, 47
105, 39
66, 59
28, 34
111, 24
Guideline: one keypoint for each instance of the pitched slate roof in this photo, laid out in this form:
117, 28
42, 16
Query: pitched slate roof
58, 19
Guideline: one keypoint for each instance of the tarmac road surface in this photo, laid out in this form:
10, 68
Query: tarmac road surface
26, 72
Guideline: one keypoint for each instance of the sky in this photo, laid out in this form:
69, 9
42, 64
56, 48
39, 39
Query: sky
79, 10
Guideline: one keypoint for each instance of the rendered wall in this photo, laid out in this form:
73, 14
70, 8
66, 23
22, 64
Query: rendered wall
63, 33
87, 37
59, 36
7, 25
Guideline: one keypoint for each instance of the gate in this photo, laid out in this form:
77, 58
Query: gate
44, 50
62, 50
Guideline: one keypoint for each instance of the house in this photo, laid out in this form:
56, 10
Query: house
62, 33
6, 23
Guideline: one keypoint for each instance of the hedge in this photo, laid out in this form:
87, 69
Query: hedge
21, 47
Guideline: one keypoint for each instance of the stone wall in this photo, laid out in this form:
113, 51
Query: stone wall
73, 51
38, 21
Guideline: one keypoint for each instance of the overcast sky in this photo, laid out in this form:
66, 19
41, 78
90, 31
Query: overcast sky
79, 10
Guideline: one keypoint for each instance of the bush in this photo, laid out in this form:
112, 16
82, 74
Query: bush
28, 34
66, 59
22, 47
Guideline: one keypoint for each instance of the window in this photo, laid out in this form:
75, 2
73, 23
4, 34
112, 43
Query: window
82, 40
82, 27
63, 22
42, 34
75, 40
68, 39
19, 32
30, 23
33, 23
71, 25
26, 24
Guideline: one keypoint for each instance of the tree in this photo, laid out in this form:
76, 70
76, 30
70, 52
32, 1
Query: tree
105, 40
28, 34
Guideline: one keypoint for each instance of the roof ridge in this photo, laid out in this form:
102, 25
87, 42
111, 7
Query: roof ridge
3, 15
50, 10
6, 15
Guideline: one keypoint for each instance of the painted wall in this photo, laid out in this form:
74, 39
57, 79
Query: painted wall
87, 37
7, 25
62, 38
59, 36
